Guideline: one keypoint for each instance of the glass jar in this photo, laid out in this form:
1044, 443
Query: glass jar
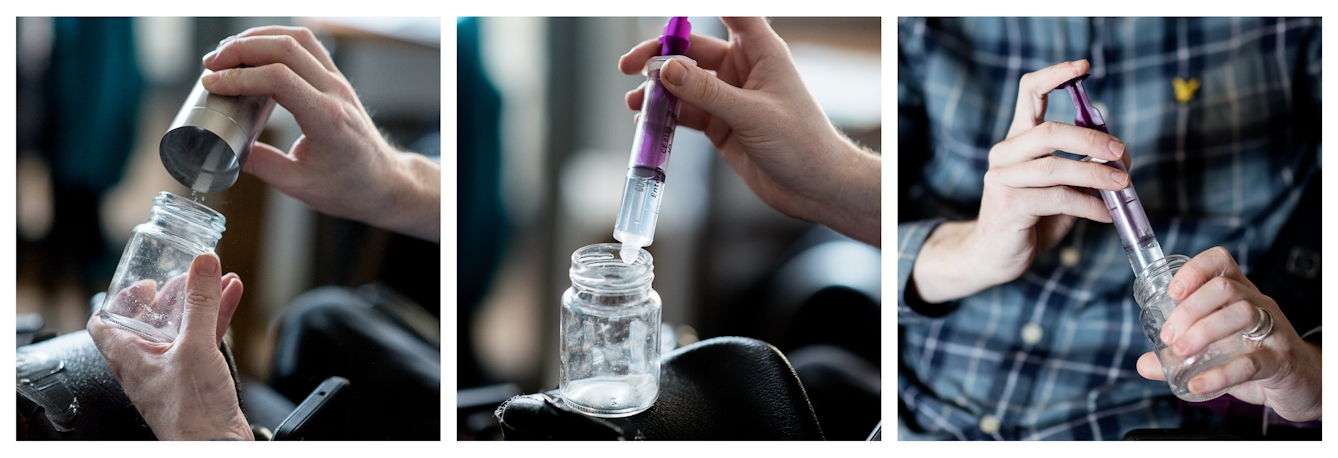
1156, 303
147, 293
610, 333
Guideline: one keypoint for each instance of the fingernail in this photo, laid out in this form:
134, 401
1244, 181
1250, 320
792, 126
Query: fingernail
209, 78
225, 40
1167, 334
1196, 385
1176, 289
1077, 63
1118, 177
674, 72
206, 266
1116, 148
210, 57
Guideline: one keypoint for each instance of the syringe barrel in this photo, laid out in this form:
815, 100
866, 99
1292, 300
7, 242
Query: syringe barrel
644, 188
658, 120
1126, 211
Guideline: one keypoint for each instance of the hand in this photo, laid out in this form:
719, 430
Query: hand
1031, 197
183, 389
769, 129
1217, 302
340, 165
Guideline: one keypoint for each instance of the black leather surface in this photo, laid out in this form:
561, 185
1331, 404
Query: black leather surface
67, 377
726, 388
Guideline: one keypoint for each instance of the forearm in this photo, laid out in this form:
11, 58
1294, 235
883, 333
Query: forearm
412, 203
853, 203
942, 271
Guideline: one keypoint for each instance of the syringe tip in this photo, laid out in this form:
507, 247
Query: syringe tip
629, 253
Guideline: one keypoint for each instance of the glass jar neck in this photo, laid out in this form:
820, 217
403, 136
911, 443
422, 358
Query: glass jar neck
1155, 279
187, 219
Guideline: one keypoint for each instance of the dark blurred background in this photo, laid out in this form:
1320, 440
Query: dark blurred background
544, 137
95, 96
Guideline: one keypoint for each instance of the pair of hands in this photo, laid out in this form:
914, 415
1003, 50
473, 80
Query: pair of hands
1032, 199
747, 97
341, 165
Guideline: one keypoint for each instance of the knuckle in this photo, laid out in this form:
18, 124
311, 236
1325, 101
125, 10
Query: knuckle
1094, 139
991, 178
304, 33
198, 297
1061, 197
1221, 284
1047, 128
1249, 366
996, 151
1028, 79
1242, 312
290, 44
710, 93
1048, 166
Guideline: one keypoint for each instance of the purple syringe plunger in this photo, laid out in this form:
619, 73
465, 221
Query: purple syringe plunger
674, 41
1131, 222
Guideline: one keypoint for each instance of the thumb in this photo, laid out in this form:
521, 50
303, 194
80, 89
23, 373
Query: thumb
703, 90
270, 165
204, 286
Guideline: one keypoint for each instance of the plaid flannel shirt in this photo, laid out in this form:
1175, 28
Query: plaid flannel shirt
1052, 354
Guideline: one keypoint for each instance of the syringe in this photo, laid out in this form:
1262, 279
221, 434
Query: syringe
1131, 222
644, 188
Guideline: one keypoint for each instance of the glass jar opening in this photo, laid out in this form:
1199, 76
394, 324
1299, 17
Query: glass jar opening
188, 210
600, 266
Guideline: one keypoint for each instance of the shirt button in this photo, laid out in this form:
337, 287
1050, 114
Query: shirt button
1069, 256
989, 424
1032, 333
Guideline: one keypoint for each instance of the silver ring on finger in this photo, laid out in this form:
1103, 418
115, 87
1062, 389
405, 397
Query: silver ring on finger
1262, 327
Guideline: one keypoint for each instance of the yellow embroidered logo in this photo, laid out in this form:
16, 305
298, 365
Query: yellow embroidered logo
1184, 90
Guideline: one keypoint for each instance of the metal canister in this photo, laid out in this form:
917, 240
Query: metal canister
211, 137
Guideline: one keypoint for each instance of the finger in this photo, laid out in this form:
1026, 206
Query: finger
258, 51
1058, 200
1217, 293
1150, 367
203, 293
303, 35
757, 32
311, 108
1244, 368
1213, 262
709, 52
231, 297
169, 300
701, 89
1225, 322
1034, 89
688, 115
272, 166
635, 96
1049, 137
1054, 171
134, 301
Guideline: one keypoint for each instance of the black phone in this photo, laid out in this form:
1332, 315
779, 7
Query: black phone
323, 415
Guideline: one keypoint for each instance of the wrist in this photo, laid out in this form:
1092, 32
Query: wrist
410, 200
851, 201
941, 271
